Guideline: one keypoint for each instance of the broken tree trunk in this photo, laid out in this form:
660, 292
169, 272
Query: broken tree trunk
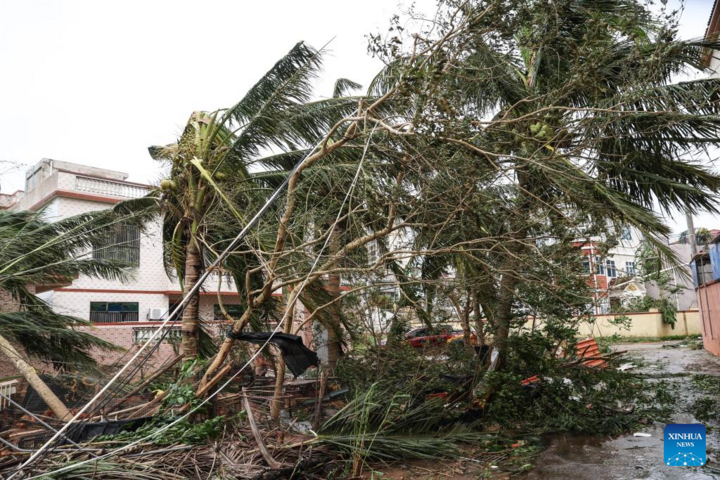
29, 374
503, 318
272, 463
479, 328
320, 395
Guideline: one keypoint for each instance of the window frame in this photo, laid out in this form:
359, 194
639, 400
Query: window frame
611, 267
630, 268
599, 266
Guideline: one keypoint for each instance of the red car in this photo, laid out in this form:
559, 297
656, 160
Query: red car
424, 337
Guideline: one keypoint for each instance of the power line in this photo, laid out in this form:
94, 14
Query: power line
222, 387
236, 242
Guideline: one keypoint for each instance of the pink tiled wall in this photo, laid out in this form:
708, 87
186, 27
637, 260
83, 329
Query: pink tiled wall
709, 302
122, 336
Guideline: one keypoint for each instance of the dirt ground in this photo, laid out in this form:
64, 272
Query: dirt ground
587, 457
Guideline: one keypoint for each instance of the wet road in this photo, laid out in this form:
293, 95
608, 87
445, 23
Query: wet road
627, 457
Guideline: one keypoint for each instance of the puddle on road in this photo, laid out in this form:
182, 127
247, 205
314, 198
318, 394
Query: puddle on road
599, 458
589, 457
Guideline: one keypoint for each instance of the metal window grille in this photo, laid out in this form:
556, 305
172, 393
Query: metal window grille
121, 244
114, 312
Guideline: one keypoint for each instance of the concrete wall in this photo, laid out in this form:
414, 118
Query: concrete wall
643, 324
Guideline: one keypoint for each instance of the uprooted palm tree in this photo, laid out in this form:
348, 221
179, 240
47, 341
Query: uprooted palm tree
35, 254
573, 107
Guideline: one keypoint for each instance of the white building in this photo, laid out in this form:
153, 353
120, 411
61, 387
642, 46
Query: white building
63, 189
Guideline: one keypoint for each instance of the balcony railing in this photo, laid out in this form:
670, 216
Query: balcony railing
113, 317
108, 187
7, 389
143, 334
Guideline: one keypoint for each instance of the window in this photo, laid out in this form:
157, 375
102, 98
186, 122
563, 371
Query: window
604, 306
626, 234
171, 308
121, 244
703, 269
630, 268
141, 335
611, 270
586, 264
234, 310
113, 312
599, 267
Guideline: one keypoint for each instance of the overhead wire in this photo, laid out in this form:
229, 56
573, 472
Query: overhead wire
247, 363
185, 299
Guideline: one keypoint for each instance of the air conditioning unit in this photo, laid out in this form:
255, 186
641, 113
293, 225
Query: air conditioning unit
156, 314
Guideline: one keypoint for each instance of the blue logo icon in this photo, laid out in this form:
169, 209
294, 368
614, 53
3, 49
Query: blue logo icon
685, 445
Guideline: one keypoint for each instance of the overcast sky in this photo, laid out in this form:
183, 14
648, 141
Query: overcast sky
97, 82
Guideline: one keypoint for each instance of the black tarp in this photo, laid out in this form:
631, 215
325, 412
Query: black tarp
88, 430
71, 389
297, 356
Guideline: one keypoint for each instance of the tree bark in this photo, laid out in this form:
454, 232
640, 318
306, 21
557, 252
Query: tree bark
503, 317
479, 328
277, 402
510, 276
334, 350
463, 313
190, 332
467, 334
29, 374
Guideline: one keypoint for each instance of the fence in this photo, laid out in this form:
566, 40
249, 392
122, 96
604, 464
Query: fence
8, 388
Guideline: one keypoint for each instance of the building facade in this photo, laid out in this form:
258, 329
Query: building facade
124, 313
611, 273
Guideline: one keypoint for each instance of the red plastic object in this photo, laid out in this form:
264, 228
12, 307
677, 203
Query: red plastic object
590, 348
